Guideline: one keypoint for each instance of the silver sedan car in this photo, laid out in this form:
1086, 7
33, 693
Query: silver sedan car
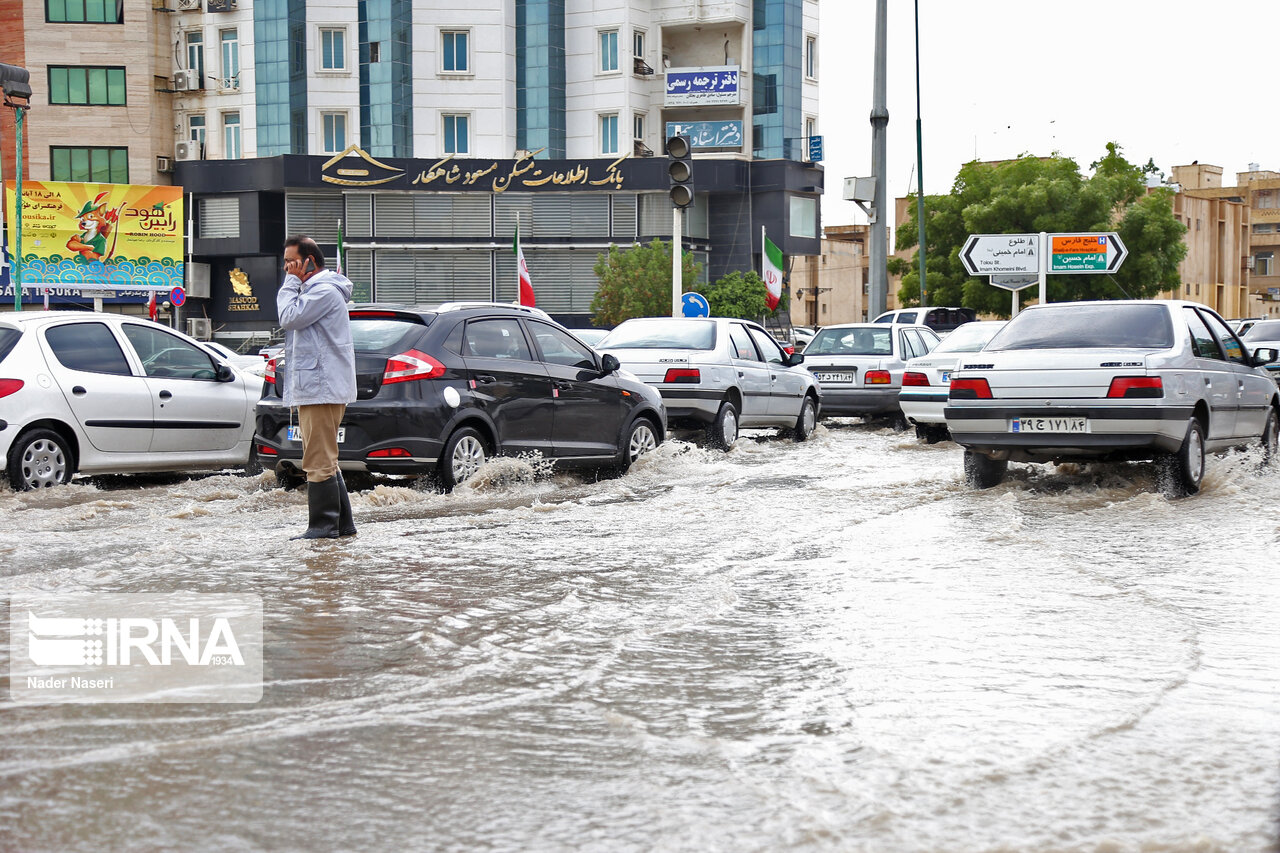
1157, 380
717, 374
927, 379
860, 365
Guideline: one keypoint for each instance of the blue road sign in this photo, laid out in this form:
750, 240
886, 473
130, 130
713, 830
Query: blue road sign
695, 305
177, 296
815, 149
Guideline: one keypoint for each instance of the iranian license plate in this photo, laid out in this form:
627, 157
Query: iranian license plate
1049, 425
833, 377
295, 433
946, 377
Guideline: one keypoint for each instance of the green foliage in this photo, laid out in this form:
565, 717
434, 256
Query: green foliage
1029, 195
636, 282
741, 294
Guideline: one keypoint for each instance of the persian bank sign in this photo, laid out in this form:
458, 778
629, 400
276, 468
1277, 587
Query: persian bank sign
703, 86
708, 134
97, 236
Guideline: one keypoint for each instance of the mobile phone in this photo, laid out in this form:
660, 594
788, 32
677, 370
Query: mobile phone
308, 266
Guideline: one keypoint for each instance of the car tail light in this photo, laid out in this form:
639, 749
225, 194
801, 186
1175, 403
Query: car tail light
388, 452
10, 386
683, 374
1136, 386
270, 375
877, 377
410, 366
913, 378
267, 451
970, 389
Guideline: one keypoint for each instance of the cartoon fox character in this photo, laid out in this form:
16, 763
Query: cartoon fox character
96, 224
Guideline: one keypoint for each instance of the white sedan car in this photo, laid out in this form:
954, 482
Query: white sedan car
927, 379
109, 394
860, 366
1161, 380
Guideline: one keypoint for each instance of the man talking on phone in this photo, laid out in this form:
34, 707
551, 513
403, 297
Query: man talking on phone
319, 378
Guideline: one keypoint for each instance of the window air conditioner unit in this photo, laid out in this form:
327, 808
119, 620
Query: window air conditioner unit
186, 150
163, 163
199, 328
187, 80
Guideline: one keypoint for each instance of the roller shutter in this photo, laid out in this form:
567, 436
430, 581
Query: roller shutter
313, 215
219, 217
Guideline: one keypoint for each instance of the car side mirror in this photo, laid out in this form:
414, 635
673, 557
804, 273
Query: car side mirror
223, 372
794, 359
608, 364
1264, 355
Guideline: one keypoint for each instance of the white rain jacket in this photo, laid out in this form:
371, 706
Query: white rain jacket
319, 358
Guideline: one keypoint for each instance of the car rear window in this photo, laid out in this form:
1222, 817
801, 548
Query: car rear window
676, 334
970, 337
1088, 326
382, 334
8, 340
859, 341
1268, 331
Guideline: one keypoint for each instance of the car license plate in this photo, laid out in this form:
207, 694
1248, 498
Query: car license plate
1049, 425
295, 433
946, 377
833, 377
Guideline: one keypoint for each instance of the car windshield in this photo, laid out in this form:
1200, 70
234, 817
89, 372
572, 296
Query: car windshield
670, 334
1100, 325
858, 341
970, 337
371, 334
1268, 331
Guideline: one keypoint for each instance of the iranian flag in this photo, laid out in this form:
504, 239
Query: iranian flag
340, 252
151, 306
771, 267
526, 285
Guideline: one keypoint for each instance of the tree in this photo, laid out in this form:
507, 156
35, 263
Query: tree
1033, 194
636, 282
741, 294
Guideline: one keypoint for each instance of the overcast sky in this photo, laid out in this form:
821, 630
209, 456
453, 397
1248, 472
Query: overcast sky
1173, 80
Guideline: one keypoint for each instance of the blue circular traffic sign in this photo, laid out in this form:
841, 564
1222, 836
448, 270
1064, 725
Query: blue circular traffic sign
177, 296
695, 305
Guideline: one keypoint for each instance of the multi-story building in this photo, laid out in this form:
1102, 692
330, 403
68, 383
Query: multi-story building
832, 288
430, 130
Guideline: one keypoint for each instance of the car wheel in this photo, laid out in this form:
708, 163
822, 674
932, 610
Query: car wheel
464, 453
723, 431
983, 472
807, 420
934, 434
642, 438
1180, 474
898, 422
1270, 436
289, 478
40, 458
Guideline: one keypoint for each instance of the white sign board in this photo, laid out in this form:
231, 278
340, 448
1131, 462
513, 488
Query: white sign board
1017, 282
1001, 254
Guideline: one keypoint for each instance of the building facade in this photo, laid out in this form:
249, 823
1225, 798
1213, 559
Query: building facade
833, 287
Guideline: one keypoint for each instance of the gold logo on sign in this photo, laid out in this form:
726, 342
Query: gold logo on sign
243, 298
343, 176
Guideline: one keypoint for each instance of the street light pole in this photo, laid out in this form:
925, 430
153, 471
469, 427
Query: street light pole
924, 293
879, 273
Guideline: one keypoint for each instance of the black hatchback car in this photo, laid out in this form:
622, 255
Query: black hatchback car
442, 389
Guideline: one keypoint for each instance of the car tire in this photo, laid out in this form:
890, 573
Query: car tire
641, 438
983, 472
898, 422
807, 420
1179, 474
39, 459
289, 479
723, 431
931, 433
464, 453
1270, 436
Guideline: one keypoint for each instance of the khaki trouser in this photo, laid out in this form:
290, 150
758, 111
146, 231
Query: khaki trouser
319, 425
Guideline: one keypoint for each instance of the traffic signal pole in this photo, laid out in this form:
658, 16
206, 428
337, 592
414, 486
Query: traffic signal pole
677, 268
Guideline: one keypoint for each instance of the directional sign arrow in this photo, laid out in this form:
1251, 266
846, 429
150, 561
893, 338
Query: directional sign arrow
1001, 254
1099, 252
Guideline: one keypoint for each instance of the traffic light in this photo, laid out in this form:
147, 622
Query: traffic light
680, 170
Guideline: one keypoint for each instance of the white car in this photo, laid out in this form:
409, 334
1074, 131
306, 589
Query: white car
860, 366
716, 374
255, 365
927, 379
91, 393
1124, 380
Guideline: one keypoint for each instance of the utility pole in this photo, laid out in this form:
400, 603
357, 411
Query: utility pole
15, 82
879, 272
924, 293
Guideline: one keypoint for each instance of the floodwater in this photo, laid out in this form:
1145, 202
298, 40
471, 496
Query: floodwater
827, 646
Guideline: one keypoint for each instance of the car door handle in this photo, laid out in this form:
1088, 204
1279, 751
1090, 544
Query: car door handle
165, 395
564, 386
741, 374
79, 391
485, 379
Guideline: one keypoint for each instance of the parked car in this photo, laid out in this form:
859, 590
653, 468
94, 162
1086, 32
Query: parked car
83, 392
802, 335
860, 366
942, 320
254, 365
1127, 380
718, 374
442, 389
590, 337
1264, 333
926, 381
1240, 326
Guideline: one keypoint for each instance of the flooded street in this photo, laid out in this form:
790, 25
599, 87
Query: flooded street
833, 645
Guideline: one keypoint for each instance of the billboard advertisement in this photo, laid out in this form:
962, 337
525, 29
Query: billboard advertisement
94, 236
702, 86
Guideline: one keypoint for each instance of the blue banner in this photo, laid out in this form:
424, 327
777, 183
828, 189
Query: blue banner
708, 134
701, 86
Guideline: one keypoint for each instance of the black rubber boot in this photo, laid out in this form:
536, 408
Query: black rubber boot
346, 524
323, 508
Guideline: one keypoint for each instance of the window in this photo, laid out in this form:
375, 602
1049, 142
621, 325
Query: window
609, 50
1088, 325
196, 129
811, 57
230, 60
195, 53
1265, 199
638, 128
375, 52
84, 12
89, 347
335, 132
333, 50
609, 133
1262, 263
767, 345
559, 348
810, 128
456, 56
740, 343
637, 43
1230, 343
231, 136
1202, 343
496, 339
804, 216
86, 85
165, 355
96, 165
457, 134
